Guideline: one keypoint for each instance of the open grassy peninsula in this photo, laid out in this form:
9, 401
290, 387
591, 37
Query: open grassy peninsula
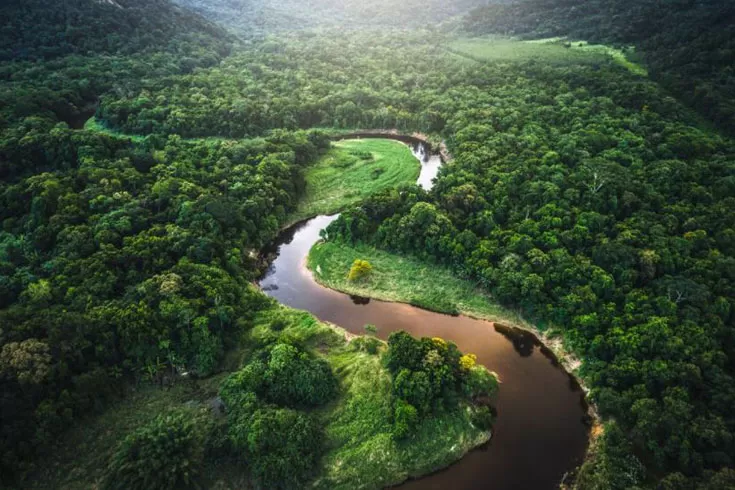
352, 170
403, 279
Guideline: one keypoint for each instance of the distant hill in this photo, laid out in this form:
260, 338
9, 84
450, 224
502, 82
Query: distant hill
250, 18
40, 29
688, 45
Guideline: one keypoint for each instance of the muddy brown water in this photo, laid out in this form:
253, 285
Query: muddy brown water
540, 432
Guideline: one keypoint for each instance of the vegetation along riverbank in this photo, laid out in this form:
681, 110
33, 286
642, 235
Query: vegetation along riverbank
323, 407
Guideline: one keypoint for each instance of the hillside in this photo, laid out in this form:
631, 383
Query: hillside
688, 46
36, 29
249, 18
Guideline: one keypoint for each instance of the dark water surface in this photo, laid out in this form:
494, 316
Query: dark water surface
540, 432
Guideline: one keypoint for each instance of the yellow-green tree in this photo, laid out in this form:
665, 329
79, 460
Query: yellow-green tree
360, 269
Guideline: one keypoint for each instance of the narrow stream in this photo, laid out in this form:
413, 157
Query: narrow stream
540, 432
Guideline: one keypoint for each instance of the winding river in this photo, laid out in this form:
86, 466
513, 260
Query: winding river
540, 434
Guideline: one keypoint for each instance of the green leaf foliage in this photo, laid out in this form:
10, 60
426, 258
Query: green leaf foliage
165, 453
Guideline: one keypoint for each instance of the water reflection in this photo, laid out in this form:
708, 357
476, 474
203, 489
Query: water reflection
523, 341
541, 430
359, 300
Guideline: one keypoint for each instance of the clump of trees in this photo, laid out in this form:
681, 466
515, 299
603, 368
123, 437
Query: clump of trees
430, 376
167, 452
360, 269
268, 428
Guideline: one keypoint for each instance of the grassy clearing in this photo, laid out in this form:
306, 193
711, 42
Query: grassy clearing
94, 125
502, 49
360, 451
352, 170
618, 55
404, 279
556, 50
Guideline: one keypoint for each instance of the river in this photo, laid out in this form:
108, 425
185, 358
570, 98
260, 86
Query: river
540, 432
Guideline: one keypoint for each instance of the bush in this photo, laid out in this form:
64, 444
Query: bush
377, 172
479, 382
296, 379
362, 154
405, 418
283, 447
370, 345
416, 388
251, 378
359, 270
482, 418
437, 304
166, 453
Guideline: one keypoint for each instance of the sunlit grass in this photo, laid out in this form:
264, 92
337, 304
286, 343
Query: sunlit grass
618, 55
95, 125
555, 50
342, 177
404, 279
503, 49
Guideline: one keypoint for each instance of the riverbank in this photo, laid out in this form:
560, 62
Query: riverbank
350, 171
361, 452
433, 287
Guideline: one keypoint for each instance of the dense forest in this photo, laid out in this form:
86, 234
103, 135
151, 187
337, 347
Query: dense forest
580, 194
35, 29
688, 45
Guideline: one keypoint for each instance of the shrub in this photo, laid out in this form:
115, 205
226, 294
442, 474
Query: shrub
370, 345
482, 418
437, 304
404, 352
467, 362
295, 378
251, 378
359, 270
283, 447
165, 453
361, 154
414, 387
377, 172
479, 382
405, 418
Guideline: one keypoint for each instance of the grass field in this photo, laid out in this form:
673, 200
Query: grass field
352, 170
502, 49
552, 50
360, 452
404, 279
